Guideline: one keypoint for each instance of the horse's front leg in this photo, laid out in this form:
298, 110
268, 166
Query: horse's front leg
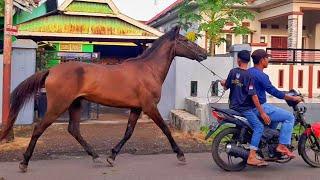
133, 118
152, 111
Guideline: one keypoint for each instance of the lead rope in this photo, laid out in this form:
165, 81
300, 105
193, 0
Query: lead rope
211, 86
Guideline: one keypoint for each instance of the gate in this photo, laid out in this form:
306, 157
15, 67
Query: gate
46, 60
295, 69
294, 56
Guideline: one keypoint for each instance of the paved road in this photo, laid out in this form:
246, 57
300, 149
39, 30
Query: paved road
152, 167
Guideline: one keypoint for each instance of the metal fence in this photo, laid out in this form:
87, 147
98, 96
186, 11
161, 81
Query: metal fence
294, 56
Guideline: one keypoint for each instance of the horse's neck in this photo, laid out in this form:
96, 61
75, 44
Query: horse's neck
160, 60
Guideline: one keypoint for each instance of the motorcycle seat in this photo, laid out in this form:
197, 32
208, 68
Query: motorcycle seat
229, 112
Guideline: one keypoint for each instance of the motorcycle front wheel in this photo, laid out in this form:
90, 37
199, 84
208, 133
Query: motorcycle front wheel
309, 151
219, 150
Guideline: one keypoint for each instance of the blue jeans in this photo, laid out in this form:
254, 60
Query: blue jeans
278, 115
256, 126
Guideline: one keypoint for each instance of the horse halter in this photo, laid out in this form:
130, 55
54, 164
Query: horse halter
175, 45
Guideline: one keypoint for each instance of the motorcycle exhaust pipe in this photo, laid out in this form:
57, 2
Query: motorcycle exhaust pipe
237, 151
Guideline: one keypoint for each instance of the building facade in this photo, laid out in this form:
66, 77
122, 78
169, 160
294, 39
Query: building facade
278, 24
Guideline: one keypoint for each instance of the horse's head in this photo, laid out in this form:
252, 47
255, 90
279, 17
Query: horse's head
186, 48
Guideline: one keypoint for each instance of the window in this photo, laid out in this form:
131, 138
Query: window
274, 26
228, 42
264, 26
245, 39
246, 24
318, 84
194, 88
214, 88
262, 39
300, 79
280, 84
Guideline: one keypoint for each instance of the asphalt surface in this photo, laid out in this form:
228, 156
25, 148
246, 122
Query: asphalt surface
152, 167
146, 139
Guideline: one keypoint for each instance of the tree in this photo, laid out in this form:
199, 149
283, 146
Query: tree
211, 16
1, 8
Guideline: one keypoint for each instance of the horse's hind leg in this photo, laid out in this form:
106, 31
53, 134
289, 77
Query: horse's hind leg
54, 111
133, 118
74, 130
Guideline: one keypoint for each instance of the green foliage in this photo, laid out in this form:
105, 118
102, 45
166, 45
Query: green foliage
1, 7
211, 16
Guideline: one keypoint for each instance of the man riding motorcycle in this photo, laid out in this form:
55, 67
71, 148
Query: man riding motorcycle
243, 99
277, 115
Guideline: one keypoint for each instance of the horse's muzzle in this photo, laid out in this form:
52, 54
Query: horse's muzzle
201, 57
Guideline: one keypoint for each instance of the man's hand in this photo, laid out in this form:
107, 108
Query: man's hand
294, 98
298, 98
223, 83
265, 118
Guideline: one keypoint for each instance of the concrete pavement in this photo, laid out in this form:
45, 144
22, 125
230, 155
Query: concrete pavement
200, 166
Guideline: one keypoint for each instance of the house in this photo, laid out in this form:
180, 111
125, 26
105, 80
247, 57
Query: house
280, 24
85, 26
79, 30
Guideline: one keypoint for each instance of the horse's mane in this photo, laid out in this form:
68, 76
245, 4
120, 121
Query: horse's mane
169, 35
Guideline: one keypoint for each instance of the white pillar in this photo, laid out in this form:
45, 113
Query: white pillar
295, 28
317, 36
256, 26
300, 31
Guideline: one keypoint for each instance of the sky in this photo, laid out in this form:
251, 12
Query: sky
140, 9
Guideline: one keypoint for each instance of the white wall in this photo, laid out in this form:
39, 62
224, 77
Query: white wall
305, 69
167, 101
188, 70
177, 85
23, 65
273, 72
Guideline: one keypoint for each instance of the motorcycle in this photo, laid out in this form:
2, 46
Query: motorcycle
230, 146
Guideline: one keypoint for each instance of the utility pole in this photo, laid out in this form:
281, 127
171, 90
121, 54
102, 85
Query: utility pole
7, 54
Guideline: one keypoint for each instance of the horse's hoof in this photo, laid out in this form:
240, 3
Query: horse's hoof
110, 161
182, 159
23, 168
99, 160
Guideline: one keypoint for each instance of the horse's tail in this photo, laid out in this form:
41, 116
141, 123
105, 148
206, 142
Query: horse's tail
20, 96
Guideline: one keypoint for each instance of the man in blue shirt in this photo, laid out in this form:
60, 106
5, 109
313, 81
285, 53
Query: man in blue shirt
277, 115
243, 99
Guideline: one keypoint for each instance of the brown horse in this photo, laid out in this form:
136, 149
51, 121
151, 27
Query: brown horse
135, 84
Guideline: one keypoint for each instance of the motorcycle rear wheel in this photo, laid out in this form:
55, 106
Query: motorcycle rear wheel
225, 137
309, 152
